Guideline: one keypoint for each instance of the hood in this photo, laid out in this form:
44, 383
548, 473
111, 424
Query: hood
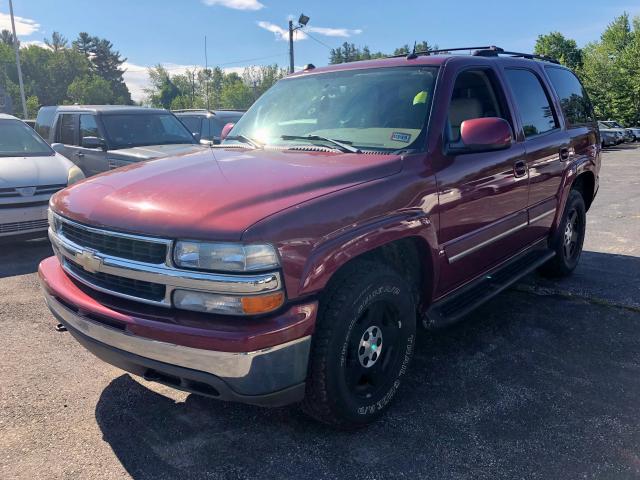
34, 171
215, 194
156, 151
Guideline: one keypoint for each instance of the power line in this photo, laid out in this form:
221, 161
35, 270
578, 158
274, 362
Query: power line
319, 41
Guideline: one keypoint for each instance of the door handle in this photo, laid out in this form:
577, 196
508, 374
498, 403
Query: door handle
520, 168
565, 154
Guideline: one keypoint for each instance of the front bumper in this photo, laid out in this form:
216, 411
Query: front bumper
17, 221
271, 375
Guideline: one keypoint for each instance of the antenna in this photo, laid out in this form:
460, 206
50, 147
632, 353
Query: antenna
413, 55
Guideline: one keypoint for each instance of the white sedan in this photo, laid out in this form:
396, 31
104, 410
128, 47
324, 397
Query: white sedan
30, 172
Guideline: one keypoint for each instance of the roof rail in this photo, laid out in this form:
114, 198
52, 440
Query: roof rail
495, 51
487, 51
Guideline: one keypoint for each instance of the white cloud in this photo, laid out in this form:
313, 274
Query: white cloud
282, 33
24, 26
334, 32
37, 43
236, 4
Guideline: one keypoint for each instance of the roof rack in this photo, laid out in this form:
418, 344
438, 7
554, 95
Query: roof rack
487, 51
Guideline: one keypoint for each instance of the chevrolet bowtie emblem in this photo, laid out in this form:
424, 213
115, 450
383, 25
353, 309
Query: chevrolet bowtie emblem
89, 261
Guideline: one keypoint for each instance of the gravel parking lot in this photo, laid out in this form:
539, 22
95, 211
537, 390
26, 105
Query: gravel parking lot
543, 382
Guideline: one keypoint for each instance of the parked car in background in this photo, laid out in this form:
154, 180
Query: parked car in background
207, 125
608, 138
349, 205
98, 138
30, 172
627, 133
606, 129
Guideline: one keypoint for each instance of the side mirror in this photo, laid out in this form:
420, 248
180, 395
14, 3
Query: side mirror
94, 142
225, 131
57, 147
484, 135
196, 136
204, 141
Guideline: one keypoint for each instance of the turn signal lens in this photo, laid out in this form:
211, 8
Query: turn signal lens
227, 304
262, 303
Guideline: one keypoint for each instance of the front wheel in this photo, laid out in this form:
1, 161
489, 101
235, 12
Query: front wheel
362, 346
569, 238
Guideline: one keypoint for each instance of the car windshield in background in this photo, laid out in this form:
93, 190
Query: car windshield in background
137, 130
370, 109
20, 140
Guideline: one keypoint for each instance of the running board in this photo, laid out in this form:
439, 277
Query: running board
462, 301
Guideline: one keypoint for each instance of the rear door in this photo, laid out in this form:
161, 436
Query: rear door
94, 160
546, 144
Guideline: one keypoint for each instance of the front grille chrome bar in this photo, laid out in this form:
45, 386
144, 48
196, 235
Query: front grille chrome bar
165, 274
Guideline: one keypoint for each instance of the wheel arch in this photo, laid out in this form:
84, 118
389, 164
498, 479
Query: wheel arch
585, 183
412, 252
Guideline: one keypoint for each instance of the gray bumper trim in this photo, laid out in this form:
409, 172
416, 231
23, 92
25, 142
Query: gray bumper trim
248, 373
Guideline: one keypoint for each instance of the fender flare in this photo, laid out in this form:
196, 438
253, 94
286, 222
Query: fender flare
332, 253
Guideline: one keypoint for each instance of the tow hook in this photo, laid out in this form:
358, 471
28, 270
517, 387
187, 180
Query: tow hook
61, 328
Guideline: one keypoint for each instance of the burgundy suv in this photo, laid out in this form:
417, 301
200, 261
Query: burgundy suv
350, 205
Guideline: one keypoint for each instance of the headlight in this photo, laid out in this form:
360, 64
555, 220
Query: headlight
74, 175
228, 257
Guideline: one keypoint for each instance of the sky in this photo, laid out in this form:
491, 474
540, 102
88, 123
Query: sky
253, 32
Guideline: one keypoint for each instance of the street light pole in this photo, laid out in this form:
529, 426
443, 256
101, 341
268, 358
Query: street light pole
302, 22
17, 49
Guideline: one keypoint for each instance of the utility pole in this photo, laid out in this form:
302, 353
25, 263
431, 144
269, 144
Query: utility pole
206, 72
17, 49
302, 22
290, 46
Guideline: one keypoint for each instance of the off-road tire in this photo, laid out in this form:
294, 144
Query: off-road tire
348, 298
566, 259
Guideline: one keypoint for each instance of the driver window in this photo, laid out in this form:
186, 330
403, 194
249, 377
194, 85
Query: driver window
474, 96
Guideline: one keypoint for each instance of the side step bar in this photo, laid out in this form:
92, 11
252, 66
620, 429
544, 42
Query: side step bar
462, 301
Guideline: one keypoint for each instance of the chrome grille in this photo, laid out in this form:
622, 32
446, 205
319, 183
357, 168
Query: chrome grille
122, 285
39, 190
22, 226
117, 246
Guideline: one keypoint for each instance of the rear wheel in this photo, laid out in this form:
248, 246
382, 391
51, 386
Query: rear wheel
569, 238
362, 347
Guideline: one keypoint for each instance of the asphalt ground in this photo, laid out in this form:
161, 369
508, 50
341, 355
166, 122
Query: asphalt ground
542, 382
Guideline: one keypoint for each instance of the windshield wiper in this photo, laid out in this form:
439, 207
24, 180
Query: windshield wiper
344, 146
243, 139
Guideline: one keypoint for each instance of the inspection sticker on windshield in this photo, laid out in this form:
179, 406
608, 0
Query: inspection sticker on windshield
401, 137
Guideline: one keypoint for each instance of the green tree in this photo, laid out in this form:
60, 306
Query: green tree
57, 42
555, 45
33, 105
6, 37
611, 71
90, 90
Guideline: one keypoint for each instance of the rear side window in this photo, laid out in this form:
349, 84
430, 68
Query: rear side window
88, 127
45, 118
66, 129
573, 99
536, 112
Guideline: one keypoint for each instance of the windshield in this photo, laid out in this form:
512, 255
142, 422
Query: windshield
612, 124
372, 109
20, 140
137, 130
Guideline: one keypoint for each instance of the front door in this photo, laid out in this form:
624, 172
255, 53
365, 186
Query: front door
482, 196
